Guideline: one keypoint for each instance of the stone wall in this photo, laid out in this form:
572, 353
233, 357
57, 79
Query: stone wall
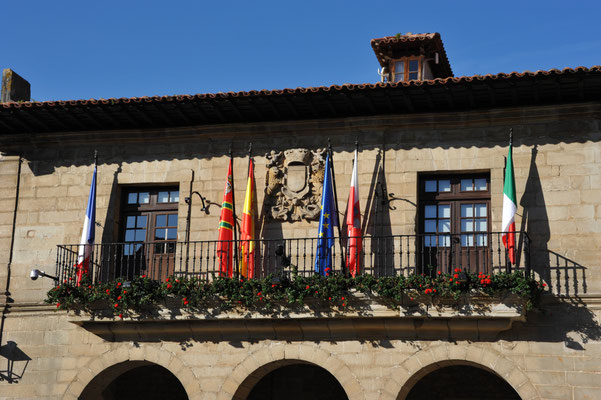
557, 158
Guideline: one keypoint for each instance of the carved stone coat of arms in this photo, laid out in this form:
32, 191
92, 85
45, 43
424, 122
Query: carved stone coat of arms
294, 183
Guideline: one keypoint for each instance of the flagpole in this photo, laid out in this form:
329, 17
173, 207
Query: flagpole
234, 214
250, 160
331, 153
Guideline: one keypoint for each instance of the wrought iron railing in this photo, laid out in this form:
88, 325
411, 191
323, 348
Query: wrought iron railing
379, 256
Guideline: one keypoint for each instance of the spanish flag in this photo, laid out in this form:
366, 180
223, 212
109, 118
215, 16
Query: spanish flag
247, 235
225, 245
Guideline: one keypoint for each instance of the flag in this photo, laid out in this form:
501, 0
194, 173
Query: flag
353, 225
225, 245
509, 208
247, 235
86, 247
328, 219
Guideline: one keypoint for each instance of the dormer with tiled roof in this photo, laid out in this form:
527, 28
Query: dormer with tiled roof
412, 57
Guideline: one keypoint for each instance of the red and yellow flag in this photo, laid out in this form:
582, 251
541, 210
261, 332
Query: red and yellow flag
247, 235
225, 245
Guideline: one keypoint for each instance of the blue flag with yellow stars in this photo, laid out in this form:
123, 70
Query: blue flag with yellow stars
327, 221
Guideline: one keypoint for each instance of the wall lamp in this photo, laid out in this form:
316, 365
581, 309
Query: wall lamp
36, 273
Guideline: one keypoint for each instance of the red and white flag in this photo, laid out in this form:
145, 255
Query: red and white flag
353, 225
86, 247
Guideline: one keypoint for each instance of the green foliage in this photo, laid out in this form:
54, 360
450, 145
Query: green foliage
124, 297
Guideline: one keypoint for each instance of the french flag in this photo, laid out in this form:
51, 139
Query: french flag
86, 247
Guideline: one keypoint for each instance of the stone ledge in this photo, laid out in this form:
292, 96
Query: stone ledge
477, 318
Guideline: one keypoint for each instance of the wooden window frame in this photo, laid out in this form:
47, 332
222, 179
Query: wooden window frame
406, 71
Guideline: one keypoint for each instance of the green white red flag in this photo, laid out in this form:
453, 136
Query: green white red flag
509, 208
225, 245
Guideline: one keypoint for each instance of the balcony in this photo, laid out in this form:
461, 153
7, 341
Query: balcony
379, 256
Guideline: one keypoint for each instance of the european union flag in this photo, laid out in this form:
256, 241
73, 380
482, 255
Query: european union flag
327, 221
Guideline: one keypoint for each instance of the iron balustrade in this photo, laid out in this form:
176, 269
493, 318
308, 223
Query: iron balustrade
379, 256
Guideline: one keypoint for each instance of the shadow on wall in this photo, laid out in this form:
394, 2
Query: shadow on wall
16, 362
564, 276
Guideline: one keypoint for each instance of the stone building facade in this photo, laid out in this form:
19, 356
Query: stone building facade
430, 127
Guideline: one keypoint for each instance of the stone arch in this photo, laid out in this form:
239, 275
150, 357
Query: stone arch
410, 371
259, 363
138, 356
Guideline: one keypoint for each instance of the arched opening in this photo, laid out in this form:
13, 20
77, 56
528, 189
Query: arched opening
134, 380
291, 380
462, 382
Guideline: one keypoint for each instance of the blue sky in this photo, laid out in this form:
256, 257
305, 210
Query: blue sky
83, 49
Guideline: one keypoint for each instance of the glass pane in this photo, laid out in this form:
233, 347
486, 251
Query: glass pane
467, 210
132, 198
399, 67
412, 76
144, 198
159, 234
430, 211
467, 225
481, 240
163, 197
430, 186
171, 233
399, 77
161, 220
481, 225
480, 210
467, 240
130, 235
142, 221
430, 241
444, 241
444, 211
131, 222
174, 196
444, 226
467, 185
172, 220
480, 184
413, 65
430, 225
140, 235
128, 249
444, 185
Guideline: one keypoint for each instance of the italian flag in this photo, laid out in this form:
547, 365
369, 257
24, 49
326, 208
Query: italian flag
509, 208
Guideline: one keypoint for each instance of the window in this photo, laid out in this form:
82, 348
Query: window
149, 230
406, 69
454, 219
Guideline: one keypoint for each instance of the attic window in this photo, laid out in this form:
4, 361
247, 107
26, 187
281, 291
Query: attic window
406, 69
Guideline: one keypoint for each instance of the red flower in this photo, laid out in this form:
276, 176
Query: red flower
411, 298
434, 290
456, 282
307, 287
457, 270
177, 280
185, 302
121, 316
544, 285
168, 286
89, 286
261, 298
118, 284
273, 285
116, 305
342, 298
450, 279
456, 276
107, 291
125, 291
58, 305
316, 292
167, 280
259, 294
143, 276
119, 298
439, 272
329, 298
343, 304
